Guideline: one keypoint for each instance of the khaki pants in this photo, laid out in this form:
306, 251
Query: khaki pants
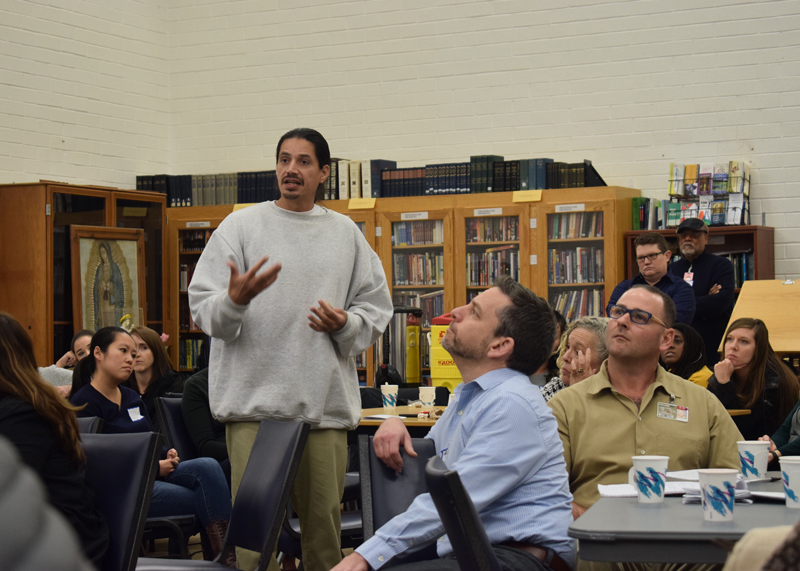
316, 495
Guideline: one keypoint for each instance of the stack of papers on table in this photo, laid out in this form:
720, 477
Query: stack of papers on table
628, 491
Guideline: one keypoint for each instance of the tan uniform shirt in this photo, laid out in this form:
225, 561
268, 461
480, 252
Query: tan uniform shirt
601, 429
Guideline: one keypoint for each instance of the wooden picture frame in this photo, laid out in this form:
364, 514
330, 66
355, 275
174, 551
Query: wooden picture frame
97, 279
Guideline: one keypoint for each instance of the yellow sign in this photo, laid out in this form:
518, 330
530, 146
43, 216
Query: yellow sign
361, 204
243, 205
527, 195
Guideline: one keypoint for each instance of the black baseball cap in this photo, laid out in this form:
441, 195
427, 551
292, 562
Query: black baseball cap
693, 224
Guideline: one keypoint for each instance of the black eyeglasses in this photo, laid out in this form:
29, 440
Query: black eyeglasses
639, 316
651, 257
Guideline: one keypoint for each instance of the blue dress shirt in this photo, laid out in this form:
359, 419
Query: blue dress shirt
503, 440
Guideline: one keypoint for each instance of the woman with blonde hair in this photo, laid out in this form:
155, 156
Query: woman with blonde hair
751, 377
44, 428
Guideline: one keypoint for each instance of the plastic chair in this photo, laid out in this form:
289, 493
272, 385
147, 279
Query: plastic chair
460, 518
170, 417
122, 468
90, 425
260, 505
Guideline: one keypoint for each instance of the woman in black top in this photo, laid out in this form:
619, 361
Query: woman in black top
44, 428
153, 376
751, 376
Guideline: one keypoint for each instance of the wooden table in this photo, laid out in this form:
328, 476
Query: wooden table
398, 410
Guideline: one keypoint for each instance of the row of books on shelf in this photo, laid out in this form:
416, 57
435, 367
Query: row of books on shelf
418, 233
654, 214
193, 241
492, 229
185, 321
418, 269
720, 178
575, 225
375, 178
580, 303
431, 304
576, 266
188, 353
743, 266
483, 268
212, 189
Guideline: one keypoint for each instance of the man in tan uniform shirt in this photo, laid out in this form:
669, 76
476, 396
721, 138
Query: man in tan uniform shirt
632, 406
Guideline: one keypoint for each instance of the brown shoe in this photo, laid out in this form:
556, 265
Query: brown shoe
216, 532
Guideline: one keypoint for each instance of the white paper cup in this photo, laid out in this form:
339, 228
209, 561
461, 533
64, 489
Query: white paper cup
389, 394
427, 395
790, 472
649, 475
718, 490
753, 457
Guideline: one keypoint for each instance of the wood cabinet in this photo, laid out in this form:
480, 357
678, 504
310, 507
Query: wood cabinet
751, 249
35, 260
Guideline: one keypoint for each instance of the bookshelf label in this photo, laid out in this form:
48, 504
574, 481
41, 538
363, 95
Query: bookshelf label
533, 222
570, 207
526, 195
487, 212
361, 204
534, 259
198, 224
378, 231
414, 216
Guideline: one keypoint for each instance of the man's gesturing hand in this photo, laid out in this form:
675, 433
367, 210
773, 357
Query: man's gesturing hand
244, 287
327, 318
391, 435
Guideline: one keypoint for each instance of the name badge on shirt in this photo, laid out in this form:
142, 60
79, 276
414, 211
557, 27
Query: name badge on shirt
135, 414
672, 412
688, 277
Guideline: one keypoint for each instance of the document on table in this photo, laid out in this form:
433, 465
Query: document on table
381, 416
628, 491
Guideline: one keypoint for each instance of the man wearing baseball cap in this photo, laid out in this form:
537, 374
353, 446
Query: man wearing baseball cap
711, 278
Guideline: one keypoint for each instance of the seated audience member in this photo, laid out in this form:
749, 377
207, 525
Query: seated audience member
653, 256
153, 376
43, 427
207, 433
762, 383
498, 434
549, 370
192, 487
785, 441
686, 355
632, 406
59, 375
580, 354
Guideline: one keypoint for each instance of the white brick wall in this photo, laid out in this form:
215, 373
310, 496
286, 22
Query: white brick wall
84, 94
631, 85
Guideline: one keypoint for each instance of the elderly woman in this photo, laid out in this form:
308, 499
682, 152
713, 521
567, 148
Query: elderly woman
582, 351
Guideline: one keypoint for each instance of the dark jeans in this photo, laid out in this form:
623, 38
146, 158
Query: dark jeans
196, 487
510, 559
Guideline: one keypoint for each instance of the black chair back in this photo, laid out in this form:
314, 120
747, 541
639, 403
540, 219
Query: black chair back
121, 468
384, 492
90, 424
263, 493
460, 518
176, 435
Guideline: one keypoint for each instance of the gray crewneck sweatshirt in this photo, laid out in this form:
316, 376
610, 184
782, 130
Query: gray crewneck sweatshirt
265, 361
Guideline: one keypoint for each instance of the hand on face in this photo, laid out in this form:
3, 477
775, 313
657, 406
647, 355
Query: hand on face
578, 368
723, 371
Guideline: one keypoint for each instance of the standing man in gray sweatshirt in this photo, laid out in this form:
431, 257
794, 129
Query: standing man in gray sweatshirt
290, 292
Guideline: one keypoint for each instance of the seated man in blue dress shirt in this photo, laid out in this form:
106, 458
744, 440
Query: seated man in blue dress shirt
653, 256
500, 436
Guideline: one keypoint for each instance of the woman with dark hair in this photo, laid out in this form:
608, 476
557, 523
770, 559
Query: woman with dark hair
59, 375
752, 377
686, 356
192, 487
43, 427
153, 376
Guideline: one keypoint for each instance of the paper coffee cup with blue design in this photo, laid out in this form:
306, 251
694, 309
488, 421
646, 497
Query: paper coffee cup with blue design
718, 492
790, 473
649, 477
389, 394
753, 458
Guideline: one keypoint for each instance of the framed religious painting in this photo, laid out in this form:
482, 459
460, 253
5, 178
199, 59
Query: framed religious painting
108, 277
